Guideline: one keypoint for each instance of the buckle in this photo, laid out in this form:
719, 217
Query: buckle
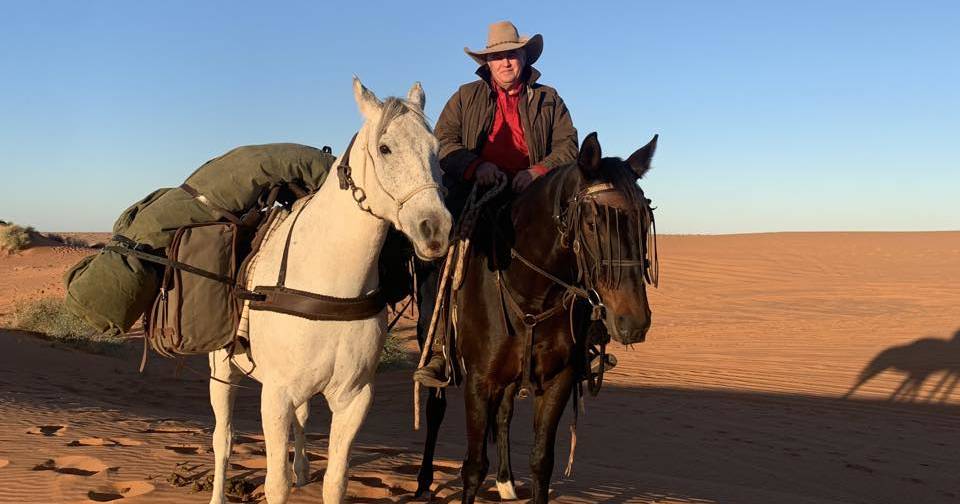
345, 177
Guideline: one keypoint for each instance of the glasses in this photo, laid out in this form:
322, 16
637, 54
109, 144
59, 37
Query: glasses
514, 54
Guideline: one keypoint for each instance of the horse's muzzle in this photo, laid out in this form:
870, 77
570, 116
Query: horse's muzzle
431, 236
628, 329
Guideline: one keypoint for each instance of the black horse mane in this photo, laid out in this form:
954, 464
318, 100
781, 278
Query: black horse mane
570, 179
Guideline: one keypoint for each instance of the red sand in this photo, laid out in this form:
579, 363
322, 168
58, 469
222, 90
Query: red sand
734, 398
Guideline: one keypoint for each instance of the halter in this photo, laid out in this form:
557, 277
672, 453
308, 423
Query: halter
345, 176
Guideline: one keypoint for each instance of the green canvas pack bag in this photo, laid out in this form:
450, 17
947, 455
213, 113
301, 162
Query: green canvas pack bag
111, 291
193, 313
95, 284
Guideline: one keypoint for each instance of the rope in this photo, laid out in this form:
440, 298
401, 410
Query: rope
455, 254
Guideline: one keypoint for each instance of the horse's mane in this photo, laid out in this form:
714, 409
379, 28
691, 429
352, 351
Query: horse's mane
569, 179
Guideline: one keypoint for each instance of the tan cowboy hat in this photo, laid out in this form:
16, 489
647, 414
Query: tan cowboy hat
503, 36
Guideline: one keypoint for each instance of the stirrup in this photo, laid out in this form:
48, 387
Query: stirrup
428, 379
609, 362
429, 376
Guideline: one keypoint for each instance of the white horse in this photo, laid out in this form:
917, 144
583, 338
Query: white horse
334, 251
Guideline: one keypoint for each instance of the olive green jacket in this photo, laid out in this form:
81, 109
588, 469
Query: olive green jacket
467, 118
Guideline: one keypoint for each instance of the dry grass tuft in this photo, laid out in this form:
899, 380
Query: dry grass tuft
50, 318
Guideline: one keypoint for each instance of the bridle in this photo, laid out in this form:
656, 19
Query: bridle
345, 176
603, 263
594, 268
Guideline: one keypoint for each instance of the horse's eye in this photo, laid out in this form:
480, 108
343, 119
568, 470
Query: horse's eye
384, 150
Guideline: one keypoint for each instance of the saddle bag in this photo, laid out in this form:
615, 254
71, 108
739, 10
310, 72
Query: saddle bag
196, 313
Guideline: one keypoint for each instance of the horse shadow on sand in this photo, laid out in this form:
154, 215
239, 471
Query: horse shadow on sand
919, 361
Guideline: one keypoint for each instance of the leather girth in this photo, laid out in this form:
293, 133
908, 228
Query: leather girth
309, 305
317, 306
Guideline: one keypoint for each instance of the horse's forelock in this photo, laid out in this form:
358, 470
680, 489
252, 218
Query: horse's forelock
393, 108
617, 172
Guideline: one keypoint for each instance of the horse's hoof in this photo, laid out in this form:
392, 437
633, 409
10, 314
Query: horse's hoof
506, 490
423, 494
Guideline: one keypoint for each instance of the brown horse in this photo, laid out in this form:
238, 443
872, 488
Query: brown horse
574, 251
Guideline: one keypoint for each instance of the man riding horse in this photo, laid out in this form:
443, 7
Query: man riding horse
504, 124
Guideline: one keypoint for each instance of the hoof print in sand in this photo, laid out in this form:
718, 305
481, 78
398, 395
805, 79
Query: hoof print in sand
126, 442
249, 464
47, 430
172, 430
413, 469
121, 490
95, 441
185, 449
75, 465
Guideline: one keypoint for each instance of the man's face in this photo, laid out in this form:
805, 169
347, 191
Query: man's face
505, 67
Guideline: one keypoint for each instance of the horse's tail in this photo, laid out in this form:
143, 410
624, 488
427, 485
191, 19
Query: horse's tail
880, 363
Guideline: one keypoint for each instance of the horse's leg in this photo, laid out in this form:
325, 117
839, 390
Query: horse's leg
505, 485
936, 389
475, 466
301, 464
947, 392
913, 389
276, 410
347, 417
899, 390
221, 399
547, 411
429, 276
436, 408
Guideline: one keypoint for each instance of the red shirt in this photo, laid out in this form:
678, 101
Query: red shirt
506, 146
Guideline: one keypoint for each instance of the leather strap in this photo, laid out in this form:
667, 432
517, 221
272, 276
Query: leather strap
187, 188
171, 263
282, 275
529, 321
317, 306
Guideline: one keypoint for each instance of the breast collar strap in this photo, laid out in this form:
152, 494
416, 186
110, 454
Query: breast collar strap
345, 176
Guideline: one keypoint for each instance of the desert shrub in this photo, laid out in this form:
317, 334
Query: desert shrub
14, 238
50, 317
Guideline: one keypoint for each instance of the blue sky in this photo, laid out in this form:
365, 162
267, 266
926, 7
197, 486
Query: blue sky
773, 116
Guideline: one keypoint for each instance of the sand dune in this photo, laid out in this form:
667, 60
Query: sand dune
736, 397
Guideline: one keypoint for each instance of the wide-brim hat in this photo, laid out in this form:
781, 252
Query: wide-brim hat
503, 36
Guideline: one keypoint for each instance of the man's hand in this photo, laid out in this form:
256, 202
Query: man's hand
487, 174
523, 179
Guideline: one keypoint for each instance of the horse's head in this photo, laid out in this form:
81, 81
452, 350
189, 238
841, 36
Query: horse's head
610, 226
402, 151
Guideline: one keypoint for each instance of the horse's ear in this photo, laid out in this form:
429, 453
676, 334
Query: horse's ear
416, 96
590, 154
640, 161
369, 105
